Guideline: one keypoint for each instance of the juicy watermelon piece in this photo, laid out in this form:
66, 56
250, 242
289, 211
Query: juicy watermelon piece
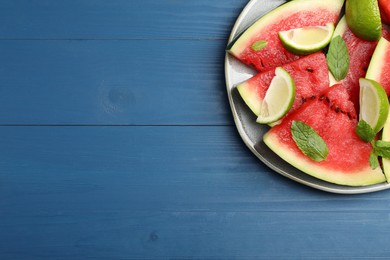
378, 69
384, 7
386, 137
347, 162
310, 75
386, 32
294, 14
360, 52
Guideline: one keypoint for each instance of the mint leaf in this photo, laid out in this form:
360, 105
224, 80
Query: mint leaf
382, 148
365, 131
259, 45
338, 58
308, 141
374, 163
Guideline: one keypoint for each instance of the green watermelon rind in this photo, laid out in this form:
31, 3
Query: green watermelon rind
276, 15
340, 29
364, 177
377, 63
374, 72
386, 137
250, 97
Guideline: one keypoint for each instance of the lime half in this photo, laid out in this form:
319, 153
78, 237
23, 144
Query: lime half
374, 105
278, 99
363, 18
306, 40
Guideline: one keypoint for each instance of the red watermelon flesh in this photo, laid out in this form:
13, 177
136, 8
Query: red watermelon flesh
339, 101
294, 14
384, 7
386, 32
360, 52
347, 162
310, 75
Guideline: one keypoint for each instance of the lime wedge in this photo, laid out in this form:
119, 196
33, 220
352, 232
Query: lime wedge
278, 99
363, 18
374, 105
306, 40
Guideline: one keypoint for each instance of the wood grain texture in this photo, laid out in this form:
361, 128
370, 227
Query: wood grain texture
118, 19
168, 192
113, 82
117, 142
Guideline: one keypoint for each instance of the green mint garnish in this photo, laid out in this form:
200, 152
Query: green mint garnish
338, 58
308, 141
259, 45
379, 147
382, 148
365, 131
374, 163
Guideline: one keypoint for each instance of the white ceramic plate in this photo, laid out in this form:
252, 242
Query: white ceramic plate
251, 132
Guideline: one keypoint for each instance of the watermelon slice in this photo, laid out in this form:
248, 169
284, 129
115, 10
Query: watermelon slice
384, 7
386, 32
386, 137
294, 14
347, 162
378, 69
360, 52
309, 73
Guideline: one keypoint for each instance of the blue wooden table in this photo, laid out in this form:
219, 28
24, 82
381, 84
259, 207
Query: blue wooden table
117, 142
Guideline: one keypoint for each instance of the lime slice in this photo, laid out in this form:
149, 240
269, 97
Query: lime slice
278, 98
306, 40
363, 18
374, 105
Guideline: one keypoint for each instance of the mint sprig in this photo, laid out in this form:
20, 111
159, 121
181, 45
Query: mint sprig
365, 131
374, 162
308, 141
338, 58
380, 148
259, 45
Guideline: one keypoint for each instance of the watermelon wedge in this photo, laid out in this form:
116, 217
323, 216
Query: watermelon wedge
360, 52
309, 73
294, 14
378, 69
347, 162
384, 7
386, 32
386, 137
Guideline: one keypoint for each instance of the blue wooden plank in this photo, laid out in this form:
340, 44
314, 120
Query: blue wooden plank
113, 82
169, 192
117, 19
